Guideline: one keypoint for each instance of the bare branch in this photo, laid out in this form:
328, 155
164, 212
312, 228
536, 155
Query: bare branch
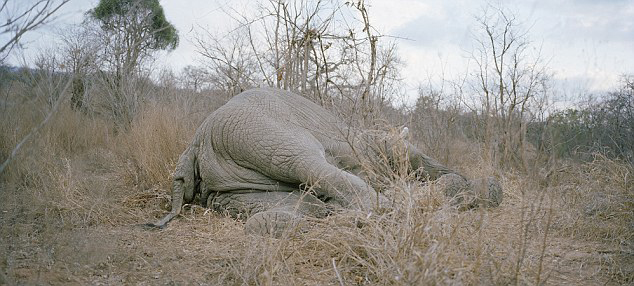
30, 18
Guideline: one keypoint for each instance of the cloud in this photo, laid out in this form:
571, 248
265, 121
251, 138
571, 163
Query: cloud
444, 22
585, 43
597, 20
388, 16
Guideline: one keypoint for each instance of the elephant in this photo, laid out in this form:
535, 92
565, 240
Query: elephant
273, 157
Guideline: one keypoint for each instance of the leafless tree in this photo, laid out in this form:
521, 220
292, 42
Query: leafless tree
194, 78
604, 125
47, 80
510, 76
435, 120
229, 60
22, 18
79, 52
325, 49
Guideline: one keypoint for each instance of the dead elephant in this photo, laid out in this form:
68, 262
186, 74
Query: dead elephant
271, 156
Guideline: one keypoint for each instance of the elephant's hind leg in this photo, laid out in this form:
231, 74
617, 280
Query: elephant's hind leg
273, 222
268, 213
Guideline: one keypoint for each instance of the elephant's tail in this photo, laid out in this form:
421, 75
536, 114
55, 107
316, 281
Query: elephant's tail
185, 185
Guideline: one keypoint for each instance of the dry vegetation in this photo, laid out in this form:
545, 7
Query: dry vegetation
75, 193
73, 199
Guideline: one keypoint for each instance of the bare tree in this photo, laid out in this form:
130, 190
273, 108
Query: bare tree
510, 76
79, 51
435, 119
21, 18
229, 59
194, 78
605, 126
325, 49
19, 21
47, 80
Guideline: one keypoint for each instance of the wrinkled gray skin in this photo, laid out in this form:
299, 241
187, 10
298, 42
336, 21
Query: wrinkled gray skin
256, 157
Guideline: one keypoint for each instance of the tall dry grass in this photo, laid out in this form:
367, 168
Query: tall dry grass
425, 241
43, 170
598, 197
72, 198
596, 204
156, 135
77, 170
77, 173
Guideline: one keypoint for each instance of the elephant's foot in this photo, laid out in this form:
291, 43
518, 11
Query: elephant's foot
268, 213
272, 223
467, 194
488, 191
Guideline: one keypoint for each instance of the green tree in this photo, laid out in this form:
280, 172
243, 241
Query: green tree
135, 29
131, 31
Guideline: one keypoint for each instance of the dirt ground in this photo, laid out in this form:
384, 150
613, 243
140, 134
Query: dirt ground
206, 248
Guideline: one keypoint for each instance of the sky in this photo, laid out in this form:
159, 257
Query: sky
586, 44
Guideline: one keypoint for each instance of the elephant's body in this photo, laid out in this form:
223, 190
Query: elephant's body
266, 139
269, 142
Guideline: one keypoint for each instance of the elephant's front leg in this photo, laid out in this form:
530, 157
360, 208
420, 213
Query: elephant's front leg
467, 194
336, 185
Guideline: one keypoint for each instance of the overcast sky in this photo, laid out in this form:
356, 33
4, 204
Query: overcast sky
587, 43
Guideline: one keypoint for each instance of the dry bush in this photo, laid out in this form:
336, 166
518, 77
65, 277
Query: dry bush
599, 199
422, 240
71, 132
73, 175
152, 146
596, 203
48, 171
79, 169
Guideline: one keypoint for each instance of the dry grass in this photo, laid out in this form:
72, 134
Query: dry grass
74, 196
158, 131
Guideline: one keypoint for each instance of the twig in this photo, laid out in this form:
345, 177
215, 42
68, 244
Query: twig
544, 245
334, 266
